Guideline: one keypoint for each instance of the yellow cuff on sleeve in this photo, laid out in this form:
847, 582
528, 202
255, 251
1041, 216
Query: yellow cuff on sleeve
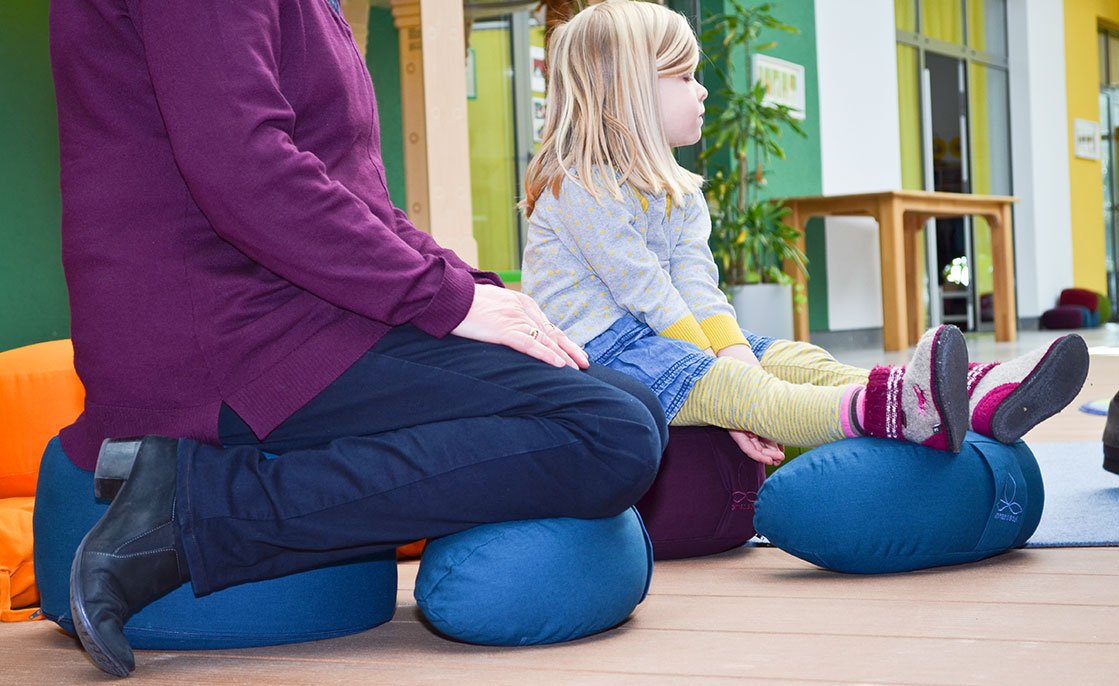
722, 330
688, 329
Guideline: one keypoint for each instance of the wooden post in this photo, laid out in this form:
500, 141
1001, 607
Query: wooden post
915, 305
448, 134
800, 280
436, 136
406, 17
356, 13
1002, 253
891, 241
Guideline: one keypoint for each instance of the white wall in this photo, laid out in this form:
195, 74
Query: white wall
860, 145
1040, 154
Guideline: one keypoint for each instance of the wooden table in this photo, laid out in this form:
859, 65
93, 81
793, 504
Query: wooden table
901, 215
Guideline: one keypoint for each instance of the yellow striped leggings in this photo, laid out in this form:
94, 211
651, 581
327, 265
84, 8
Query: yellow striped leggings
796, 397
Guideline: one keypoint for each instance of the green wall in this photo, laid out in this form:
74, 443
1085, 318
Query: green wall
801, 172
33, 305
382, 56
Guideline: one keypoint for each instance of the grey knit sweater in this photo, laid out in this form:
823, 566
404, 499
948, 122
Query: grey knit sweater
588, 262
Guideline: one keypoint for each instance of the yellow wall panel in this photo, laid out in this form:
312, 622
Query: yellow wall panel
1083, 19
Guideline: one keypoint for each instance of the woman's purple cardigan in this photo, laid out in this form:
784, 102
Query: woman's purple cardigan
227, 234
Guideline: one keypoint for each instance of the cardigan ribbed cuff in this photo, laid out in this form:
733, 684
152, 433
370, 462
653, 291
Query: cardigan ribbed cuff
449, 305
688, 329
487, 278
722, 330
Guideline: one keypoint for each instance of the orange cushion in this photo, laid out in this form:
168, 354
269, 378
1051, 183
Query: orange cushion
18, 593
39, 394
411, 551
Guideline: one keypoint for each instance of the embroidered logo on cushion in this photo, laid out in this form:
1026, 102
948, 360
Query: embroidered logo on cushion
1008, 508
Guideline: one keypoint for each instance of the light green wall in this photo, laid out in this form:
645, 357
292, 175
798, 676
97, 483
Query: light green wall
33, 305
493, 164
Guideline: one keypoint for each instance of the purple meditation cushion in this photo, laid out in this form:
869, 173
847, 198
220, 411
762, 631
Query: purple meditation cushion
702, 501
1065, 317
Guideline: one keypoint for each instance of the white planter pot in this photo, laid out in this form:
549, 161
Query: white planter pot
764, 308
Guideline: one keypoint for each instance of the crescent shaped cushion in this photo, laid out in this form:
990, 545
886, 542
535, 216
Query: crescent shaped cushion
868, 505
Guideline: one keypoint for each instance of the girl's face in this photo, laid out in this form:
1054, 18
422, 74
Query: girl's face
681, 101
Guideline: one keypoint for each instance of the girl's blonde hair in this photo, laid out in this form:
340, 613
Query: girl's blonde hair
603, 127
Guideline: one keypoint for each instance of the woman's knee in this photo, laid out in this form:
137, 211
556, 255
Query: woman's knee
639, 391
624, 456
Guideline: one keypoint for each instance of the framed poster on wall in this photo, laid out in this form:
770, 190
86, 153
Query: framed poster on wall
1086, 139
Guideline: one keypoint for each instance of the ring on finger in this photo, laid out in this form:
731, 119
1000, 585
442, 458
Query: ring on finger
549, 327
534, 333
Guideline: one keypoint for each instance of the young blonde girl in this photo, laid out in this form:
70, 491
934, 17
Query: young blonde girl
617, 256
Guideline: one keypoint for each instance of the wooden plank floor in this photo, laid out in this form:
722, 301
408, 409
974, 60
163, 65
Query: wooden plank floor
755, 615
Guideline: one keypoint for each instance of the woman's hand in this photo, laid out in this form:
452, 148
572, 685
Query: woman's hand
509, 318
757, 448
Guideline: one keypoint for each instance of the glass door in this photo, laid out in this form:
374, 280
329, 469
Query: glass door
950, 245
953, 104
493, 170
505, 108
1109, 158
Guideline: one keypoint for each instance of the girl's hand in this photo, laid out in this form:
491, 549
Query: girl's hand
509, 318
757, 448
740, 351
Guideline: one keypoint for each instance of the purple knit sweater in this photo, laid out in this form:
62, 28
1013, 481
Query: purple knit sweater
227, 234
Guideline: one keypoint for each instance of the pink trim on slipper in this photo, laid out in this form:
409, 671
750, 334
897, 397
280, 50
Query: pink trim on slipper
984, 412
937, 440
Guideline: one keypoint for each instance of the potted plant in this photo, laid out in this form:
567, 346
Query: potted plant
750, 240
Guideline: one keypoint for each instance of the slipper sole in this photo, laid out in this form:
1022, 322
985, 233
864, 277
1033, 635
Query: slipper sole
1047, 390
949, 385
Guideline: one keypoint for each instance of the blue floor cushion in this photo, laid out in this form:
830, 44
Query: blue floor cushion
322, 603
535, 581
868, 505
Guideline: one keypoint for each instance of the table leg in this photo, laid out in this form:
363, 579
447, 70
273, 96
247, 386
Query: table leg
915, 302
892, 255
800, 279
1002, 255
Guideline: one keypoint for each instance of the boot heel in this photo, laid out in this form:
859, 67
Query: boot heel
114, 464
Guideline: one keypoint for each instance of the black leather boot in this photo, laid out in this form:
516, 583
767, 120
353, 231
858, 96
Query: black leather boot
132, 556
1111, 437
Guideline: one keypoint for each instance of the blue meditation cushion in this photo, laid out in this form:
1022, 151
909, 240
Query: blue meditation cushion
322, 603
535, 581
868, 505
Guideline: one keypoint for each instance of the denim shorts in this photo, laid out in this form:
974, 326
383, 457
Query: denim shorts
669, 367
